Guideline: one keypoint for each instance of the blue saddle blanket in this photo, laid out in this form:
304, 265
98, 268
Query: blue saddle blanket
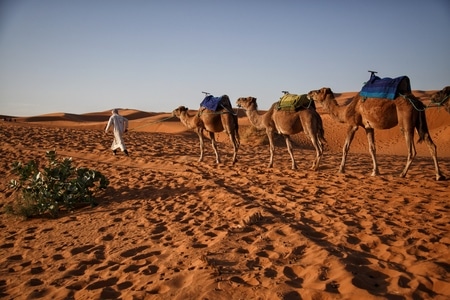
387, 88
210, 102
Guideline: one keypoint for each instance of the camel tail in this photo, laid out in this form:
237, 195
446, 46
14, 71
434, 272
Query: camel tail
236, 128
321, 131
421, 122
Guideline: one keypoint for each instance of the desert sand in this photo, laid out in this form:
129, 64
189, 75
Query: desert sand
170, 227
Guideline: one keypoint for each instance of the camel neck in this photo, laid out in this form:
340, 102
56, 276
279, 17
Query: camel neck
187, 120
336, 111
255, 118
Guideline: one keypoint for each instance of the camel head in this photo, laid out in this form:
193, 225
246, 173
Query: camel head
320, 95
247, 103
442, 98
178, 111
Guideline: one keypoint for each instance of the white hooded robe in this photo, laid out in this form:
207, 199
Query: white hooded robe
119, 125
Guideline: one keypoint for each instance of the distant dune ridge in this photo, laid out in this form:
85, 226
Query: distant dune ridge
169, 227
388, 141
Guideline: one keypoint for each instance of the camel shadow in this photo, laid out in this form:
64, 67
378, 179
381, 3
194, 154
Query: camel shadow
357, 263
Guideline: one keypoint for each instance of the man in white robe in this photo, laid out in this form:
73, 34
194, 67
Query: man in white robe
119, 125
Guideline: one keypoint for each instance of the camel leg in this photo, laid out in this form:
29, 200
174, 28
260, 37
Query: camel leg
409, 136
235, 146
229, 123
319, 152
271, 146
348, 141
235, 138
214, 146
289, 148
370, 132
433, 152
200, 137
424, 135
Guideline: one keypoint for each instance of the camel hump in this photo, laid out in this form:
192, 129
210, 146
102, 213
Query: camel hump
293, 102
386, 88
225, 101
404, 86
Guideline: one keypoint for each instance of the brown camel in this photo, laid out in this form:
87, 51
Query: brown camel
442, 98
286, 123
224, 119
372, 113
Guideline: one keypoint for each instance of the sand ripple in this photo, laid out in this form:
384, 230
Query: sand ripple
172, 228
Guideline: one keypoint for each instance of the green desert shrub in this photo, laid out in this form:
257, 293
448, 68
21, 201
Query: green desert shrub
57, 185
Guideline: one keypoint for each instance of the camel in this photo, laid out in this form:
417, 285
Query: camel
286, 123
224, 119
373, 113
442, 98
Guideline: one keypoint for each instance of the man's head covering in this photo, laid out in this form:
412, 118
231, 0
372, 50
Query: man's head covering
115, 111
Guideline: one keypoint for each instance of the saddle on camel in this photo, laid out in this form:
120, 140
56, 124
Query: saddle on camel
385, 88
216, 104
293, 102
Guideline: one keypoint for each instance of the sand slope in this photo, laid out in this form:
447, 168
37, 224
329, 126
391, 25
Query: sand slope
170, 227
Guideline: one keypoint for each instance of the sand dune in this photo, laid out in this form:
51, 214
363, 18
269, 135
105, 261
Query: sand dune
169, 227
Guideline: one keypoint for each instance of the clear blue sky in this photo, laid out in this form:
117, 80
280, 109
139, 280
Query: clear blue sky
89, 56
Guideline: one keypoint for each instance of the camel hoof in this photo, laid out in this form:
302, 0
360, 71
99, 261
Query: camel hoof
375, 173
440, 177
